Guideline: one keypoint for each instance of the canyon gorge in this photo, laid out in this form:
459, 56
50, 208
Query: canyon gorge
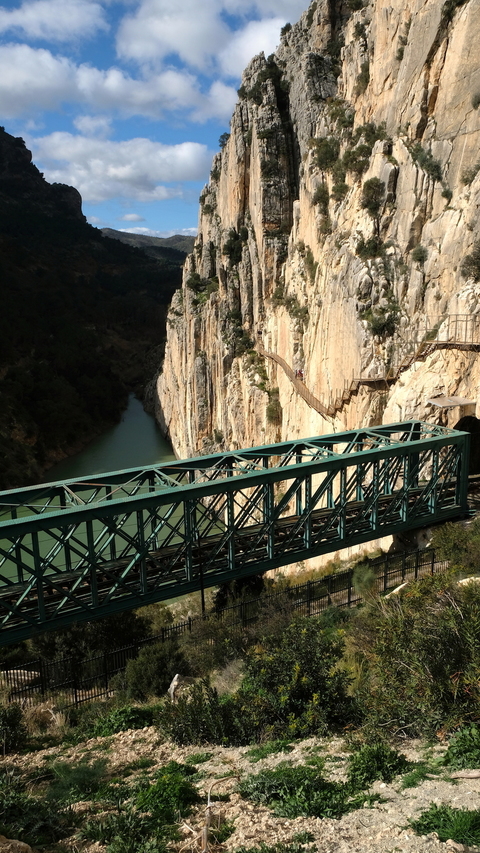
339, 229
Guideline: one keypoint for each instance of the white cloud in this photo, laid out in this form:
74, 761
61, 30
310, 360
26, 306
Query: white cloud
255, 37
131, 217
94, 220
54, 20
159, 28
136, 169
93, 125
33, 79
148, 232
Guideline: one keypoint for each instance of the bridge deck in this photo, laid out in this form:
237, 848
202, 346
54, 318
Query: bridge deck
80, 550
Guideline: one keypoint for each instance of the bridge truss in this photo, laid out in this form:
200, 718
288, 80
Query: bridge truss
80, 550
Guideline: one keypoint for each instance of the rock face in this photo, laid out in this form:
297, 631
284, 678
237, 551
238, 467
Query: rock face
334, 229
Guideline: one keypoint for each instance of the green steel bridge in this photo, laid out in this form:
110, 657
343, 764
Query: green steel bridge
80, 550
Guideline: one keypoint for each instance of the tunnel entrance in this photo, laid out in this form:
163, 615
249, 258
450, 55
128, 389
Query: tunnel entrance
471, 424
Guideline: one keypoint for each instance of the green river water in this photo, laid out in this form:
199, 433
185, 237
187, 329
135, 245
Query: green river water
134, 442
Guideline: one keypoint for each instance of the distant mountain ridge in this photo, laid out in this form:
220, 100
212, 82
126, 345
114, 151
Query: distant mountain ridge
176, 247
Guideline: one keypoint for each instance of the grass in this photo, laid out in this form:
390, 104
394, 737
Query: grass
461, 825
269, 748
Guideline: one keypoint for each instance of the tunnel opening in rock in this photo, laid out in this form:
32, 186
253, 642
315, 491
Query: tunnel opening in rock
471, 424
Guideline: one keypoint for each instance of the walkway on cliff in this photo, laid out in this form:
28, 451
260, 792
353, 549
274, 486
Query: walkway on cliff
455, 331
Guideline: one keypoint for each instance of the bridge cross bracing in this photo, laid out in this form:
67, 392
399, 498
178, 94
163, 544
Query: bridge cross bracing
79, 550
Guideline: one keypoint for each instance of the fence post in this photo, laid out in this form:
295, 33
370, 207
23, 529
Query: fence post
350, 585
105, 670
432, 563
43, 680
309, 598
385, 575
189, 624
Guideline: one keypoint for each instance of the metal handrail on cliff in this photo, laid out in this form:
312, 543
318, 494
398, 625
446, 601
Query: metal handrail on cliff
454, 331
310, 399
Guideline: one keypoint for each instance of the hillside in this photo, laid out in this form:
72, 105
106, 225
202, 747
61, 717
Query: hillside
168, 249
80, 316
340, 223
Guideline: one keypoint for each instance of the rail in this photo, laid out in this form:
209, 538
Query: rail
454, 331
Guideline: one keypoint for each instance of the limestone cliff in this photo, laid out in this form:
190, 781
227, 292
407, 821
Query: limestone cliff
336, 228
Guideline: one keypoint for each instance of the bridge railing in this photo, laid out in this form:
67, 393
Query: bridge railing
91, 678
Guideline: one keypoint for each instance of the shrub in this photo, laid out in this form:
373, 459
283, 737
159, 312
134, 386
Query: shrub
123, 719
151, 672
321, 197
285, 29
427, 162
170, 794
292, 688
203, 717
326, 152
294, 791
476, 100
470, 267
274, 407
372, 762
356, 159
13, 732
72, 782
371, 248
363, 79
127, 831
233, 247
469, 175
419, 254
419, 654
35, 821
373, 195
339, 191
223, 140
464, 748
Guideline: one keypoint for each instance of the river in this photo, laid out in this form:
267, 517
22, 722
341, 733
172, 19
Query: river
134, 442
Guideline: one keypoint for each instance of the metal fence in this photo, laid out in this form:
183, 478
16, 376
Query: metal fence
78, 681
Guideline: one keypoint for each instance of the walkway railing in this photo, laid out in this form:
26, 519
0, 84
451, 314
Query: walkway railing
82, 681
454, 331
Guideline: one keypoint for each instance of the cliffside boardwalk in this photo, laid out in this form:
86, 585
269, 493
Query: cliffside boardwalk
455, 331
81, 550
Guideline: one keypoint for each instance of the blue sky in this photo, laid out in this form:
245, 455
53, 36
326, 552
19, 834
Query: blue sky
126, 99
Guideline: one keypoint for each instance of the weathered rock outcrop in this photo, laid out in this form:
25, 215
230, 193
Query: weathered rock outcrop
334, 229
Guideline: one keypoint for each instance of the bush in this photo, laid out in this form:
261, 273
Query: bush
371, 248
35, 821
296, 791
372, 762
373, 195
321, 197
469, 175
419, 254
427, 162
151, 673
470, 267
292, 687
326, 152
203, 717
72, 782
363, 79
123, 719
419, 656
170, 794
464, 748
13, 732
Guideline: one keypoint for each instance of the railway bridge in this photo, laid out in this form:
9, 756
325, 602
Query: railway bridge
80, 550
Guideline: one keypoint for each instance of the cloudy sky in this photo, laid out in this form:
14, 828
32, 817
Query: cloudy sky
126, 99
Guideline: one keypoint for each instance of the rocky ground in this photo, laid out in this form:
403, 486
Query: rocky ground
381, 828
